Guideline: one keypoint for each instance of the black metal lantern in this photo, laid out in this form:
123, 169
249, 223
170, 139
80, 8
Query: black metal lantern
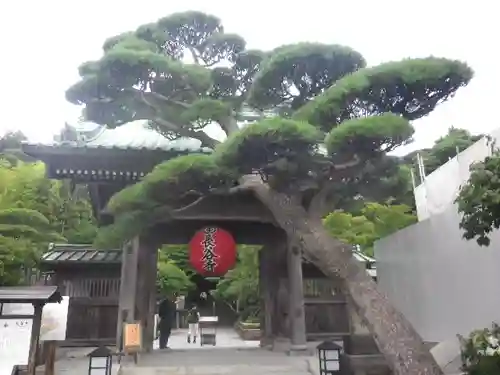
100, 361
329, 358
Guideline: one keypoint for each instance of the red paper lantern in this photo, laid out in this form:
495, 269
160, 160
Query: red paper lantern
212, 251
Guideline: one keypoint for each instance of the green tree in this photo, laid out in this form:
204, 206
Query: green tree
375, 221
24, 232
393, 181
179, 254
479, 200
12, 140
240, 286
10, 147
351, 229
72, 215
35, 211
388, 219
16, 255
69, 214
170, 278
444, 149
389, 180
340, 121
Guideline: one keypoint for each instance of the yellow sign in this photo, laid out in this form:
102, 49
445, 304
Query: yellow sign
132, 337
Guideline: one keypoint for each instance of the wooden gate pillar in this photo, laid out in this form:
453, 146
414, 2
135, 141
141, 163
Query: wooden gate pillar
146, 290
296, 303
138, 289
267, 295
128, 282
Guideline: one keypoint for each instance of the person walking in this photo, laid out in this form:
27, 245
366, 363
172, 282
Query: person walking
166, 313
193, 320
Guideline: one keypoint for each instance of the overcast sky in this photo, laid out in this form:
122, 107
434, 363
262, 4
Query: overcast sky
43, 42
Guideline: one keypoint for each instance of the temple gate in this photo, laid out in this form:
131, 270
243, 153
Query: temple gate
108, 160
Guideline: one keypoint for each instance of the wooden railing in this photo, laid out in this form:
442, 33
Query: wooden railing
323, 289
92, 287
325, 309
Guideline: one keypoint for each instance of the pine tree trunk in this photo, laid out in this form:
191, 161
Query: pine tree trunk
397, 340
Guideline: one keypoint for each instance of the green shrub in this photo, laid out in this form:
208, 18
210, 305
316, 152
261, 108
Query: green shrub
481, 351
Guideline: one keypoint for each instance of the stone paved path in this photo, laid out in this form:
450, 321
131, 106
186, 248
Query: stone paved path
226, 338
74, 366
224, 361
230, 356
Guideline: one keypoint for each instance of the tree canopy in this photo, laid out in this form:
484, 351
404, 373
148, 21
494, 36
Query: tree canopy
10, 147
394, 184
11, 140
479, 200
171, 277
444, 149
338, 120
35, 211
375, 221
240, 286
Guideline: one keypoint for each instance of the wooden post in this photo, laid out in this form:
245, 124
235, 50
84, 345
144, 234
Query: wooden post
151, 334
141, 289
266, 295
280, 294
50, 357
146, 291
296, 305
35, 336
282, 308
121, 304
128, 283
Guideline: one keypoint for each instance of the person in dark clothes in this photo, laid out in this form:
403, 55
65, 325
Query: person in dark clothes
166, 312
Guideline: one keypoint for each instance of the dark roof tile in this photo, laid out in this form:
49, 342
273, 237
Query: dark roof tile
73, 254
28, 294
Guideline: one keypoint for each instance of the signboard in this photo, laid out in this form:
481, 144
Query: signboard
54, 317
15, 336
132, 337
54, 321
17, 309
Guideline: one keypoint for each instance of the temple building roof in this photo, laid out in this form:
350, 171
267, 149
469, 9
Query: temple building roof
107, 160
135, 135
88, 152
75, 139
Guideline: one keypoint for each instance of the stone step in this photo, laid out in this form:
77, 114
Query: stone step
448, 356
211, 370
219, 362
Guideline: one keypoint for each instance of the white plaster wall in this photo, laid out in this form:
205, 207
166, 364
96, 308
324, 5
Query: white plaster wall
442, 283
